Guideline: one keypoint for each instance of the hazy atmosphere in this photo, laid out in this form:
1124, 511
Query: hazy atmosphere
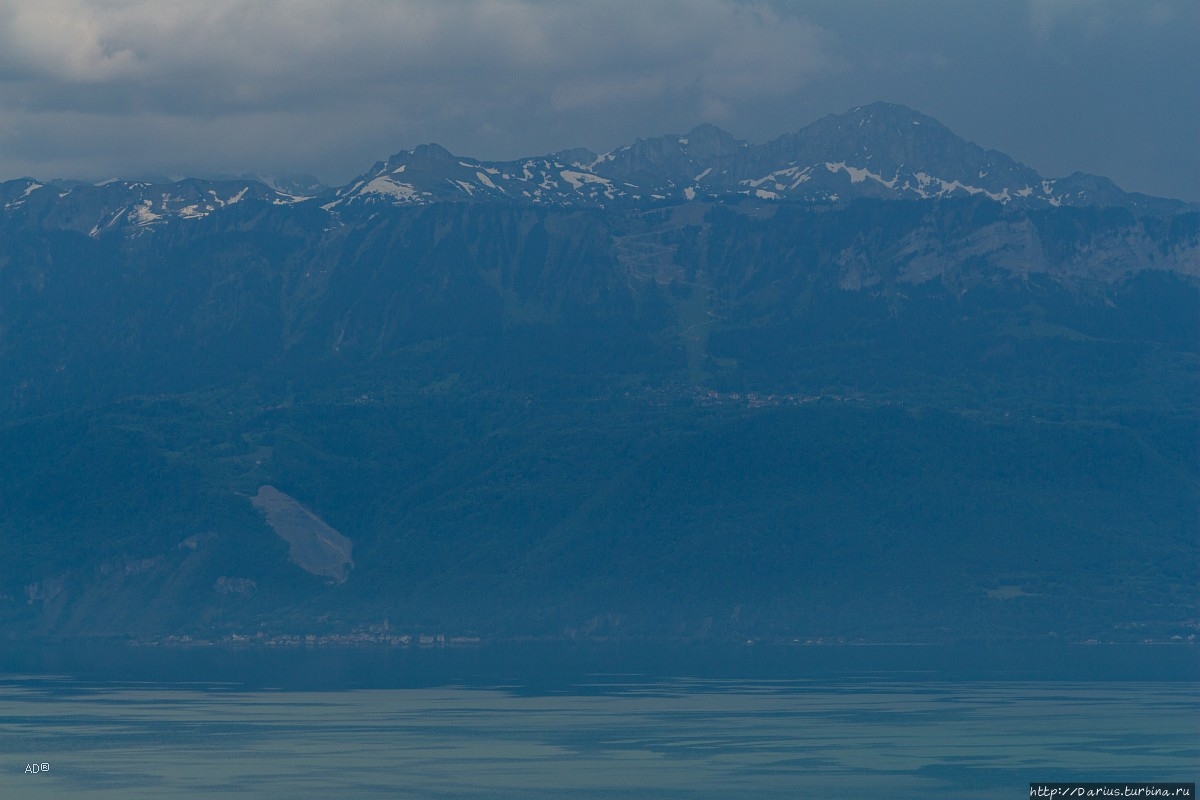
136, 88
831, 429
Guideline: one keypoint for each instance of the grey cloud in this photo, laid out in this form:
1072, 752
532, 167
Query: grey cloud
95, 89
236, 55
199, 83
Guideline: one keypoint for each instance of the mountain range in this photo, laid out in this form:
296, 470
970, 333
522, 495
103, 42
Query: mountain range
867, 381
877, 151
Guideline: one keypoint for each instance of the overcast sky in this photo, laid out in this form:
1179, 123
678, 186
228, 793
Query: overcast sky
104, 88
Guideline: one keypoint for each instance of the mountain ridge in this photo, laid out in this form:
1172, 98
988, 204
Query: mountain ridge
880, 151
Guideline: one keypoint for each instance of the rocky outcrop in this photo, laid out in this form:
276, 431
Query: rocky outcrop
314, 546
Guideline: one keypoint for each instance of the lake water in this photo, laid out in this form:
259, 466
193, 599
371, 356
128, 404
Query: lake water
593, 722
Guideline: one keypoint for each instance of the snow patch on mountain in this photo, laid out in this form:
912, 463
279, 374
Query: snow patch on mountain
486, 181
860, 174
580, 180
144, 214
404, 192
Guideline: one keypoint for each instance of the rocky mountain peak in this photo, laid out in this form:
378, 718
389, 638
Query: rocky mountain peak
706, 143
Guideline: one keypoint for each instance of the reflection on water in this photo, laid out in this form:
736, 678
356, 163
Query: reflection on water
860, 731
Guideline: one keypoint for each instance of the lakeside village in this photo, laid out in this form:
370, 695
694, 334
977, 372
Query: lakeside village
383, 635
356, 638
380, 636
376, 639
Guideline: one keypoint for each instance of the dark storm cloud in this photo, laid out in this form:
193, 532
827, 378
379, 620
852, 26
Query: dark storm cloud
96, 89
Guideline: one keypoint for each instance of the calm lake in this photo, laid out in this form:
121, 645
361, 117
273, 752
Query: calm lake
543, 721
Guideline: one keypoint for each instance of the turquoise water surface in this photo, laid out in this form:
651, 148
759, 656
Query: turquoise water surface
438, 725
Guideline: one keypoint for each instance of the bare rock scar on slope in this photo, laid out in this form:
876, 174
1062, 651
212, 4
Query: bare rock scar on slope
314, 546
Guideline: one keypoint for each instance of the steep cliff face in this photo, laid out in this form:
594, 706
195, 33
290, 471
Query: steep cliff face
218, 299
894, 419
